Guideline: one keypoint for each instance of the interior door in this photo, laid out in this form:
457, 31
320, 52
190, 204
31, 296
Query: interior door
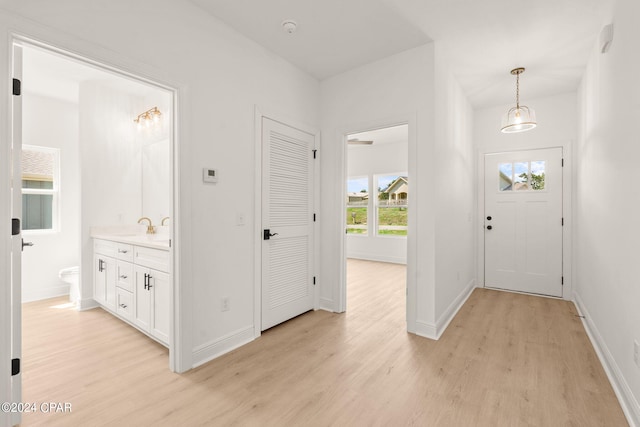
287, 222
523, 221
16, 239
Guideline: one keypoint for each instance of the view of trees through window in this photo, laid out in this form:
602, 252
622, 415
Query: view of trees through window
389, 205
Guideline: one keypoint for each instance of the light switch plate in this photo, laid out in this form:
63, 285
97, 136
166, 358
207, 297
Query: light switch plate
209, 175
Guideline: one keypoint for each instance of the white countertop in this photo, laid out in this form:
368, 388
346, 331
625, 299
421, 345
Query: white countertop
133, 235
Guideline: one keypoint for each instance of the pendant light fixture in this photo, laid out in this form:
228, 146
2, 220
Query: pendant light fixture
519, 118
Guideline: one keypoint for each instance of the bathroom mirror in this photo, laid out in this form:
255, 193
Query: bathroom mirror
156, 180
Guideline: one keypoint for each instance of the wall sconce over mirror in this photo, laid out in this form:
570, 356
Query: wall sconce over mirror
148, 118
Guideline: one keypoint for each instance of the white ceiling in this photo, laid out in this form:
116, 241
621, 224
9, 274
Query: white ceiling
391, 135
483, 40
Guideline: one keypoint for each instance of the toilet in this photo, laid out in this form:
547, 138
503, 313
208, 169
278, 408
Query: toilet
71, 276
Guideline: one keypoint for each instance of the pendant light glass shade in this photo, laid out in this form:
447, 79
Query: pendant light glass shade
519, 118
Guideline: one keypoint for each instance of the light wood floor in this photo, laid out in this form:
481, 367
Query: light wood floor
505, 360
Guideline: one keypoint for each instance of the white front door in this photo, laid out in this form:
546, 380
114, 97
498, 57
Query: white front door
523, 221
287, 222
16, 239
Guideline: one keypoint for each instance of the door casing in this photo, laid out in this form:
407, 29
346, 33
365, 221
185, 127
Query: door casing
260, 113
567, 209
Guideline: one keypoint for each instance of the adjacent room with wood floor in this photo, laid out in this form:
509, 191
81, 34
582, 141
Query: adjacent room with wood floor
506, 359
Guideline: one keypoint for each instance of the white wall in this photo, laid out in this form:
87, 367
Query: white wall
395, 90
374, 160
111, 189
557, 127
455, 196
49, 122
221, 76
607, 203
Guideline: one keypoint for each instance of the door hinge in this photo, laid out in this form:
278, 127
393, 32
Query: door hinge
562, 163
562, 222
17, 87
314, 217
562, 280
15, 367
314, 153
15, 226
314, 280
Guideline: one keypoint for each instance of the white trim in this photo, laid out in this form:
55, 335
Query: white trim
206, 352
87, 304
326, 304
623, 392
180, 338
379, 258
434, 332
567, 248
340, 305
443, 322
426, 330
46, 293
279, 117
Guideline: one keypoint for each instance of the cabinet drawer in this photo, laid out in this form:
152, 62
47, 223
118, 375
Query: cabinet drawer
105, 247
124, 252
152, 258
124, 303
124, 277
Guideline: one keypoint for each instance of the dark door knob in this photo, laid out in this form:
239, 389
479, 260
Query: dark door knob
489, 227
489, 218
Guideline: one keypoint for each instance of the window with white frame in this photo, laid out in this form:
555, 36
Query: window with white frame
392, 204
40, 188
357, 205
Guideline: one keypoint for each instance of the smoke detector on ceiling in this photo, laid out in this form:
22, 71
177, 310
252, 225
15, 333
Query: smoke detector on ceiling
289, 26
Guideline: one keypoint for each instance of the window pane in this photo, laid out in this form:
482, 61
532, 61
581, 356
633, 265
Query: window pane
521, 176
537, 175
357, 202
37, 210
29, 183
393, 202
505, 171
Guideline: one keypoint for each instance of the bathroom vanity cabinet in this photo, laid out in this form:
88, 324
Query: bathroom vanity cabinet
133, 283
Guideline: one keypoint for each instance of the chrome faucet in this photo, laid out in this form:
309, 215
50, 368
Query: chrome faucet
150, 228
163, 220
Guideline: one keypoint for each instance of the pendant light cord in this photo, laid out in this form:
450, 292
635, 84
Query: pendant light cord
518, 91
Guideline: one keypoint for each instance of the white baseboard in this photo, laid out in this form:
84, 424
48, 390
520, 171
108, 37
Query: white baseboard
87, 304
45, 293
376, 257
209, 351
426, 330
434, 332
627, 400
327, 305
451, 311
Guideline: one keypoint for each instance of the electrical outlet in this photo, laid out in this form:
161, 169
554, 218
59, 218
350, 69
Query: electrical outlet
225, 304
636, 353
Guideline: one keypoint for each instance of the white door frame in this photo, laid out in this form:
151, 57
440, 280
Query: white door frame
260, 113
411, 279
567, 290
180, 353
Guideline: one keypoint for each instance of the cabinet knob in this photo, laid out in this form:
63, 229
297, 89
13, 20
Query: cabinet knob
123, 305
122, 251
123, 276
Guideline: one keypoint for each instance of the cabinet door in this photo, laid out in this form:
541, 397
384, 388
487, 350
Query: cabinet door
99, 278
160, 294
141, 298
110, 283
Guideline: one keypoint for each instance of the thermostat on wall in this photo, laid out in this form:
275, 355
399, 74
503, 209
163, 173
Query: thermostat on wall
209, 175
